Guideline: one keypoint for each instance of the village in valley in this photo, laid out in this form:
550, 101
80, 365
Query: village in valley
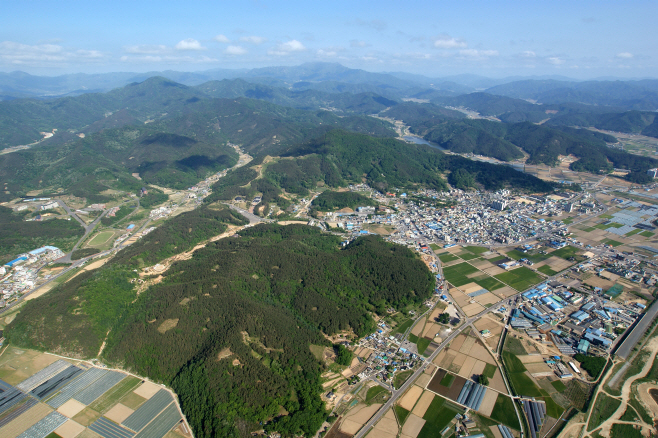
533, 296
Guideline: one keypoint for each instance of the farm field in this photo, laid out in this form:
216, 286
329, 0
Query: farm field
88, 401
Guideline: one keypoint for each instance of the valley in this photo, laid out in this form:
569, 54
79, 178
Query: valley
311, 263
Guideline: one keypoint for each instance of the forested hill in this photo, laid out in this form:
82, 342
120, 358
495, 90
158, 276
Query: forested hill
230, 329
388, 162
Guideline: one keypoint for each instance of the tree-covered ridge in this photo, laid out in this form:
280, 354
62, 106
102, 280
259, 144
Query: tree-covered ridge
469, 136
231, 327
387, 163
18, 236
330, 200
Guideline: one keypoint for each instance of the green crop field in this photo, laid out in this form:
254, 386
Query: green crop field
558, 385
567, 221
630, 233
503, 412
447, 257
553, 409
611, 242
438, 415
447, 380
434, 247
457, 274
422, 344
403, 327
402, 414
490, 283
565, 253
469, 256
546, 270
489, 370
515, 254
374, 392
111, 397
520, 278
646, 234
476, 249
101, 238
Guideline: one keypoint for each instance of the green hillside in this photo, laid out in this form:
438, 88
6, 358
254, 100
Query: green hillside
261, 300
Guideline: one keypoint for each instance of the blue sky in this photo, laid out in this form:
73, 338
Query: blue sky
581, 39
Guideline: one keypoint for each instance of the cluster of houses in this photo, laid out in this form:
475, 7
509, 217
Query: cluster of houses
387, 357
19, 276
553, 314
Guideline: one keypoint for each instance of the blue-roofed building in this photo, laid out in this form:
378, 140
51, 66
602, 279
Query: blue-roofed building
588, 306
583, 346
597, 340
580, 315
16, 261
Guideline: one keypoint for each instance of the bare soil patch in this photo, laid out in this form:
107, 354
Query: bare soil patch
168, 324
147, 390
413, 426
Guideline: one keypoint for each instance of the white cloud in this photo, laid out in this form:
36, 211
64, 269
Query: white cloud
556, 61
168, 59
287, 48
235, 50
189, 44
357, 43
44, 54
528, 54
447, 42
477, 54
253, 39
625, 55
327, 53
222, 39
146, 49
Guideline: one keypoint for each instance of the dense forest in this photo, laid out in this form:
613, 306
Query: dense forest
230, 328
330, 200
18, 236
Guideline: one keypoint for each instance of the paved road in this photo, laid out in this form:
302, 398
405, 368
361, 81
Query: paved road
633, 337
253, 219
467, 323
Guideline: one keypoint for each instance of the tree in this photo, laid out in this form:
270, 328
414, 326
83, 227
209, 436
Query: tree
483, 380
443, 318
343, 355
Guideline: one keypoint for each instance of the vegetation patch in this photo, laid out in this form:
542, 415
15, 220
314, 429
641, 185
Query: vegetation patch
447, 380
490, 370
489, 283
402, 414
19, 236
374, 392
84, 252
566, 252
614, 243
594, 365
520, 278
504, 412
603, 408
546, 270
457, 274
447, 257
401, 377
646, 234
330, 201
558, 385
438, 415
422, 344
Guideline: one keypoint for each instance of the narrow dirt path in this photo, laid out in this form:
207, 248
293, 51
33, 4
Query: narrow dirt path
606, 426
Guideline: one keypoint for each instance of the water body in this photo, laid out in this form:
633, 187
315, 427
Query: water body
418, 140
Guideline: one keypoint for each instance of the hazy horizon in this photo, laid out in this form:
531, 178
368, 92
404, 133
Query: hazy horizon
583, 40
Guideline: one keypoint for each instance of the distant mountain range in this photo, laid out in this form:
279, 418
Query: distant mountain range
336, 78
